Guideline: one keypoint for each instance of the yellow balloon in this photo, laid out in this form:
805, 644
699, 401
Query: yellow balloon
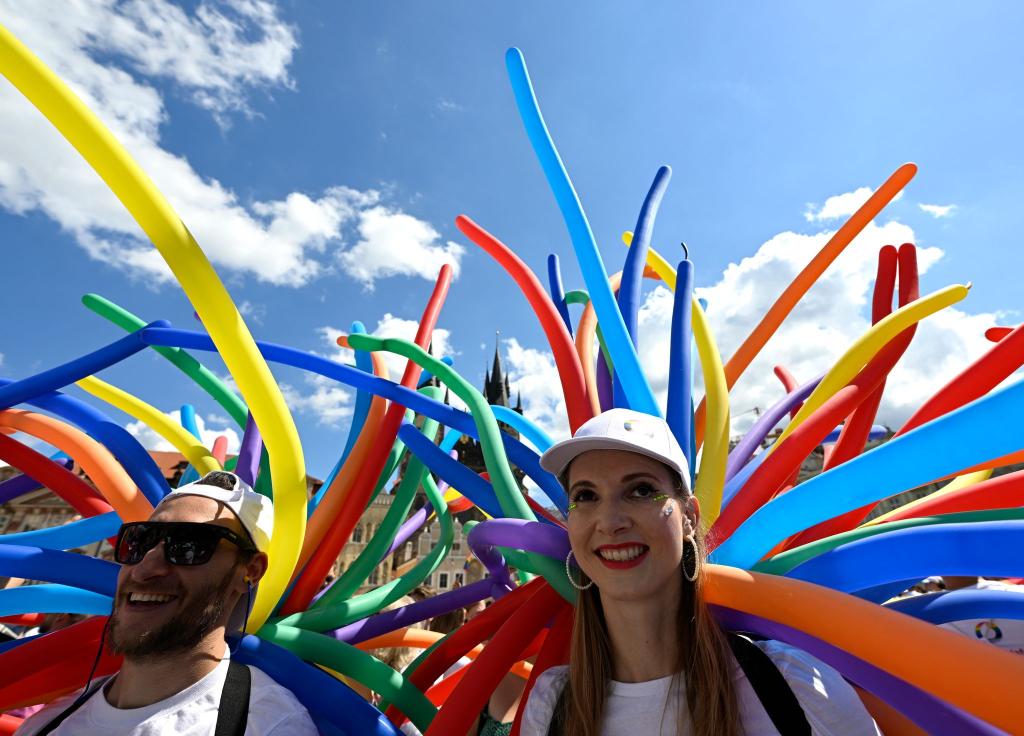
157, 218
711, 478
961, 481
867, 346
155, 419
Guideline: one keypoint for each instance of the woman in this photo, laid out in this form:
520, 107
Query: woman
647, 657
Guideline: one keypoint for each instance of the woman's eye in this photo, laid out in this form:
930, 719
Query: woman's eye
582, 496
644, 491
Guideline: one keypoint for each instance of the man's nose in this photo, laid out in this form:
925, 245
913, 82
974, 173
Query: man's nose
152, 565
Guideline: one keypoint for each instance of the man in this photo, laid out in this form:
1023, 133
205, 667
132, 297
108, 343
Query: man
187, 578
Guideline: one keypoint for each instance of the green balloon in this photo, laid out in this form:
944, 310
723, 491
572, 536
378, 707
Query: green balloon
357, 664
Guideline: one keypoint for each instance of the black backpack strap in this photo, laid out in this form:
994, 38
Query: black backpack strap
771, 688
233, 713
66, 713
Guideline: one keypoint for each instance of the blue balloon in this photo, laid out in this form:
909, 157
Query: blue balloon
990, 548
963, 604
518, 453
329, 702
628, 298
137, 462
68, 536
52, 566
558, 292
458, 476
984, 429
75, 370
53, 599
679, 408
627, 364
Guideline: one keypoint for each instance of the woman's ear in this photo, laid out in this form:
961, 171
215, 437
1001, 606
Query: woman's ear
691, 508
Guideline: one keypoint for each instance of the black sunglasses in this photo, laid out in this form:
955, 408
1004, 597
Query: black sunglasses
185, 542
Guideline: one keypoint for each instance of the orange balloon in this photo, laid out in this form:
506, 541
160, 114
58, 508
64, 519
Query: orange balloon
793, 293
985, 681
113, 482
424, 638
335, 496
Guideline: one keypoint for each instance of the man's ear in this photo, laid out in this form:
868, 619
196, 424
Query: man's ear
255, 568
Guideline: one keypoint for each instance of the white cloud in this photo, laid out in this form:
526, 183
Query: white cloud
938, 210
533, 373
254, 313
330, 402
831, 316
393, 243
112, 54
217, 426
834, 313
840, 205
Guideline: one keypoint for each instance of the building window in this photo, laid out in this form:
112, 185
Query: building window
442, 581
357, 535
408, 551
373, 577
457, 545
429, 580
459, 579
425, 544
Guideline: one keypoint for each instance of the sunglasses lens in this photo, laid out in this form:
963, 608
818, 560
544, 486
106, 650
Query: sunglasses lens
134, 542
193, 545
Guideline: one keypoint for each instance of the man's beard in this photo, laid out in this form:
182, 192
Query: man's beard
200, 615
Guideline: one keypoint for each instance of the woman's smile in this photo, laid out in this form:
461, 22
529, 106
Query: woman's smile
622, 556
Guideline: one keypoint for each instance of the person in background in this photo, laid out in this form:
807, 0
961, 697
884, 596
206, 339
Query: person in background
1004, 633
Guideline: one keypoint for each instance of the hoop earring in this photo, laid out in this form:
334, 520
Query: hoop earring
572, 580
693, 554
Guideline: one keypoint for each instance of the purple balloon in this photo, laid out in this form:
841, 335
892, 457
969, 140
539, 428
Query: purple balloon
22, 484
249, 455
755, 435
382, 623
923, 708
605, 390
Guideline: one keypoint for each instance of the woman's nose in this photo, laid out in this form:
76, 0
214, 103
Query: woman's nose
612, 518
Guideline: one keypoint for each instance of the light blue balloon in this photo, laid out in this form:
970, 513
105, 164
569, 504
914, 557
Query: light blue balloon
984, 429
627, 364
68, 536
48, 598
537, 436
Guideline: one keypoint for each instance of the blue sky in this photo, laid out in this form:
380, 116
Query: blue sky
310, 144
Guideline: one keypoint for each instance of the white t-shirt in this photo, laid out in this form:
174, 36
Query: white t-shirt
830, 704
1004, 633
273, 711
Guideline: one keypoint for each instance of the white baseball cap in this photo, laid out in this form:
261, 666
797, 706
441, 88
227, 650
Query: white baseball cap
621, 429
254, 510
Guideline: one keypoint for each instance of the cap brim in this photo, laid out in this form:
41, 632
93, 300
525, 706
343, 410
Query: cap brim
558, 456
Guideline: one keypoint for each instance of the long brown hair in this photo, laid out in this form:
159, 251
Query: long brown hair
705, 663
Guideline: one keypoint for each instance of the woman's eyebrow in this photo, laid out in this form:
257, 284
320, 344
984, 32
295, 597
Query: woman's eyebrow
636, 476
581, 484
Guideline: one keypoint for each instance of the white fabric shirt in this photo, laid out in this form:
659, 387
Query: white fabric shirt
273, 711
1004, 633
830, 704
